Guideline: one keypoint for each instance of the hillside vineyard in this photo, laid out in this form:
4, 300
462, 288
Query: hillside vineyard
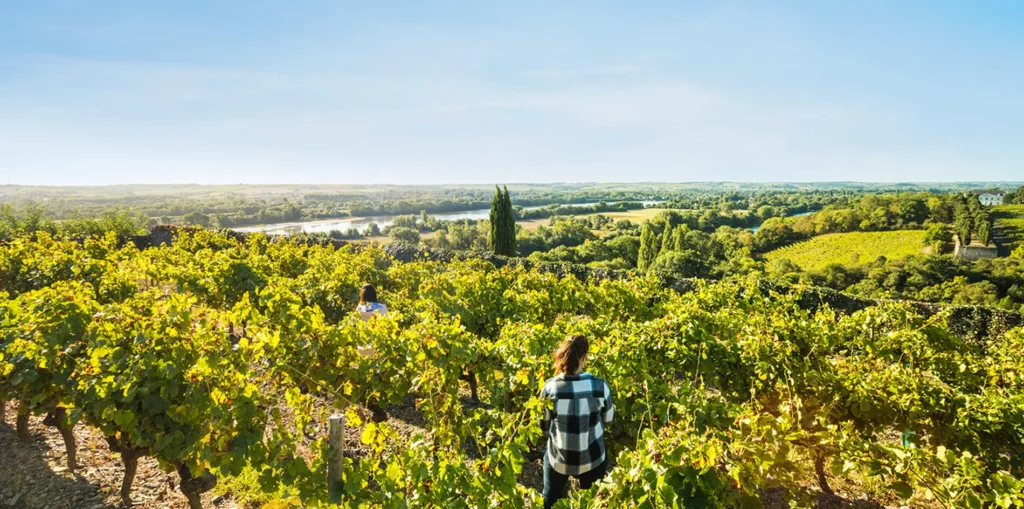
223, 359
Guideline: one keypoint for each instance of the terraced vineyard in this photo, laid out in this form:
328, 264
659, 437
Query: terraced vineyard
1009, 223
851, 249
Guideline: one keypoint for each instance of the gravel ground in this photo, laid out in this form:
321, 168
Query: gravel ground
34, 475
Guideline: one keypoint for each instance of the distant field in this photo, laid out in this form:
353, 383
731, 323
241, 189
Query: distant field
533, 223
851, 249
637, 216
1009, 222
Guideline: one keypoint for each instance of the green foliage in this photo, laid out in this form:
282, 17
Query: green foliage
503, 224
667, 240
563, 232
405, 235
1009, 221
851, 249
648, 248
123, 222
229, 355
406, 221
161, 378
42, 338
679, 264
1015, 197
982, 227
922, 278
937, 233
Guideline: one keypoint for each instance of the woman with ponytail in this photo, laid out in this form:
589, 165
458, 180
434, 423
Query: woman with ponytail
574, 424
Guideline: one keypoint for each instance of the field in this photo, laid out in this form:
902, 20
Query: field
851, 249
636, 216
223, 358
1009, 223
533, 224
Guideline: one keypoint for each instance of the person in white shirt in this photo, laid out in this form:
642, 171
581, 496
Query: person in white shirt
368, 303
369, 307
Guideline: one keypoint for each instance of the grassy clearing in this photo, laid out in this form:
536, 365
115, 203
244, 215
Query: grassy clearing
851, 249
534, 223
636, 216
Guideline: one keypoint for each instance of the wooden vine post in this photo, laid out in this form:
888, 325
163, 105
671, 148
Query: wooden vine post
335, 457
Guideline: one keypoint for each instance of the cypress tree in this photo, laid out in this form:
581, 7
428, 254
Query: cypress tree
496, 205
963, 224
648, 248
503, 225
510, 225
983, 227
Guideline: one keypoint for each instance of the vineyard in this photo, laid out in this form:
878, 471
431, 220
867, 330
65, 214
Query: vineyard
1009, 223
223, 359
851, 249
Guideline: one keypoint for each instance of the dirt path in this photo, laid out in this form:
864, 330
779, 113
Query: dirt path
33, 475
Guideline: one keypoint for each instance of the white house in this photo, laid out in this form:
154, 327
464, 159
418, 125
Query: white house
991, 198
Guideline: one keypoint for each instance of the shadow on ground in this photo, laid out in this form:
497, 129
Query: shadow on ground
33, 475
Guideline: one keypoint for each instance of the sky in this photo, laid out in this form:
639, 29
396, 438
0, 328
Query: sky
428, 92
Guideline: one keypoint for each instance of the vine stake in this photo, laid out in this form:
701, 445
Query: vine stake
335, 457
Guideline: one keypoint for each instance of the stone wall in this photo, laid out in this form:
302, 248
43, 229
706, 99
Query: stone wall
974, 252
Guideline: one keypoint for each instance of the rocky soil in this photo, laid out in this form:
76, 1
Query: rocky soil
34, 475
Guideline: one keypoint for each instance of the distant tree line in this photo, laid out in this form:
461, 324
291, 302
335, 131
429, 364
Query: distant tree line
32, 218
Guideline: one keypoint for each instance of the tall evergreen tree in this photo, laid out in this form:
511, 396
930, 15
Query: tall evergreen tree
963, 220
963, 225
510, 225
666, 239
983, 227
503, 232
648, 248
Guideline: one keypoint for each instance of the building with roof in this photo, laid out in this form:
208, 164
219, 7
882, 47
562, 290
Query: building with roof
989, 198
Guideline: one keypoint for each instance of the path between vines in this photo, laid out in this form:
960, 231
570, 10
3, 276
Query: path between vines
33, 475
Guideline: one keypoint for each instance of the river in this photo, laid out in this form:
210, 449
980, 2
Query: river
361, 223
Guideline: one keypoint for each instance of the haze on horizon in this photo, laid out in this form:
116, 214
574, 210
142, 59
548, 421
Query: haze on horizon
312, 91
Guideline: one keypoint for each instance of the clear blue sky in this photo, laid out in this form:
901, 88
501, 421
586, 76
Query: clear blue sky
212, 91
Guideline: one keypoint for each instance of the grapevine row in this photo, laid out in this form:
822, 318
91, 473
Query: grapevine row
218, 358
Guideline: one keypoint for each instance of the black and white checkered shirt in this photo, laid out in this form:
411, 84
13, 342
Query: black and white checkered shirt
575, 427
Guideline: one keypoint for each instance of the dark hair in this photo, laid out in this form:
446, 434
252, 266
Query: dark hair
570, 354
368, 293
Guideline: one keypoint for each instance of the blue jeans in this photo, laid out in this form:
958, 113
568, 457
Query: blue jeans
555, 483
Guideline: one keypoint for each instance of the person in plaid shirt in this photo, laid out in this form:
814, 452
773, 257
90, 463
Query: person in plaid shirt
574, 424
